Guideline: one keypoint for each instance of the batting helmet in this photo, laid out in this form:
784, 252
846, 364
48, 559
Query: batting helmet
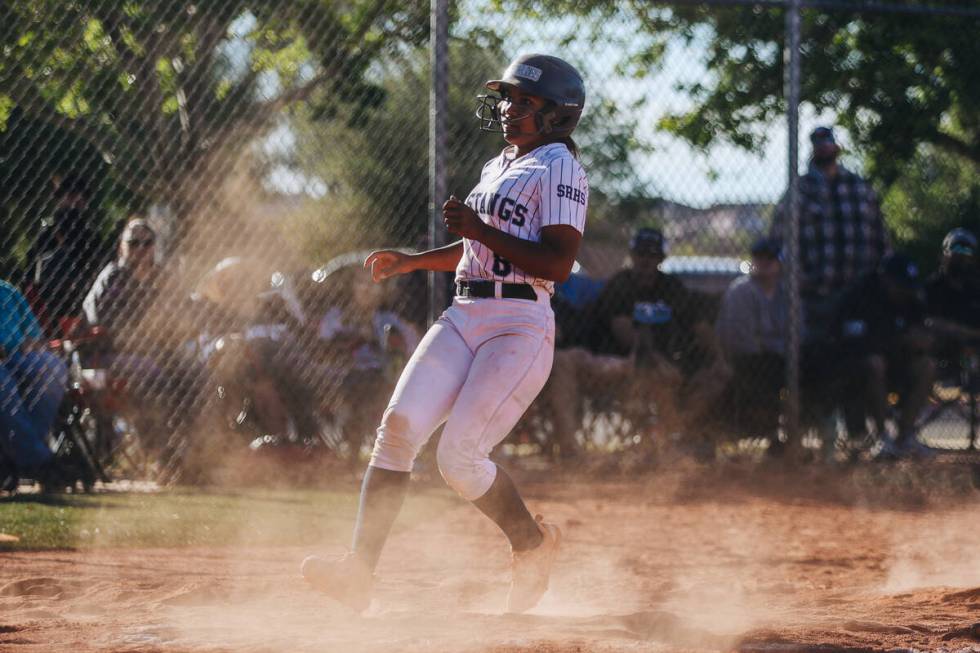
960, 241
548, 77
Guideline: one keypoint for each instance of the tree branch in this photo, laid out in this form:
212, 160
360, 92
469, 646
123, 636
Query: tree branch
102, 138
260, 113
358, 35
968, 151
112, 21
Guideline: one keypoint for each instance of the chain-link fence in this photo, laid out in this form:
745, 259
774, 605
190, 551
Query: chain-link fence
188, 191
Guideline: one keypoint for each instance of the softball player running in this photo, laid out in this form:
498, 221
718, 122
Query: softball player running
483, 362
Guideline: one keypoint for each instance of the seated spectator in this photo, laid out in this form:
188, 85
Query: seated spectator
32, 385
359, 332
250, 333
953, 295
639, 301
127, 286
751, 329
142, 349
670, 331
363, 348
880, 326
576, 371
65, 257
648, 341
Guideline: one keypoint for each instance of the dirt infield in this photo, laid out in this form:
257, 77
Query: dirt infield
663, 565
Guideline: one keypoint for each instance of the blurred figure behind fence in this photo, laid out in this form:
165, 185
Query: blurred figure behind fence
65, 257
880, 325
842, 238
751, 327
842, 235
651, 344
127, 286
125, 301
363, 347
953, 293
32, 385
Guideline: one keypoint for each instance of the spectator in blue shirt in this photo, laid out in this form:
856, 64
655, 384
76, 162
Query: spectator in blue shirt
32, 384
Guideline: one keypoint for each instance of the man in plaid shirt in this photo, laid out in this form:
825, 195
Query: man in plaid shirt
842, 234
842, 239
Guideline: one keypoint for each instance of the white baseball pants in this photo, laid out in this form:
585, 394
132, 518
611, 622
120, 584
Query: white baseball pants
477, 369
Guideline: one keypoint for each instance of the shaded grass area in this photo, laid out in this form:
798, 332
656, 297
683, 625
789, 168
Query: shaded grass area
193, 518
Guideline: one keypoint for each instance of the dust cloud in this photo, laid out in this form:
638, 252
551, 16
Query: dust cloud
662, 559
940, 553
648, 563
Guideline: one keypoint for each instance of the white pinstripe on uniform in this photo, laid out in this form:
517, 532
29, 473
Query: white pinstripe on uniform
480, 366
545, 187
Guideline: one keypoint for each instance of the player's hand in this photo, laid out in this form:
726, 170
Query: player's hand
461, 220
386, 263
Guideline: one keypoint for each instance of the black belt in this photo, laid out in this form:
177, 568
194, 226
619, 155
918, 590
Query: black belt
486, 289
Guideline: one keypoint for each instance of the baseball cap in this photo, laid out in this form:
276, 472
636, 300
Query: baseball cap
822, 135
648, 241
960, 241
901, 269
767, 248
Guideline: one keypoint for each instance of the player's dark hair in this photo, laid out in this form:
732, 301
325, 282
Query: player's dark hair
570, 144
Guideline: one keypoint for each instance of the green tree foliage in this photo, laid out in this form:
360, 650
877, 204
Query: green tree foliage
934, 193
160, 95
374, 166
32, 155
906, 87
896, 80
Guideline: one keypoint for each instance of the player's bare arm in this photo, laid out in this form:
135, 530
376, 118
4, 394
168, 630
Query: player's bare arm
387, 263
551, 258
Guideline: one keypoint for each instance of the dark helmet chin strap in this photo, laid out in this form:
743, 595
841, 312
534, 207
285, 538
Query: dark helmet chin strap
542, 121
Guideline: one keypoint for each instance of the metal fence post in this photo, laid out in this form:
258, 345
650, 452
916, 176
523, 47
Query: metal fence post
438, 111
791, 58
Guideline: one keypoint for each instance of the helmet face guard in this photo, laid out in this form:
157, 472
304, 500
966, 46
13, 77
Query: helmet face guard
492, 120
549, 78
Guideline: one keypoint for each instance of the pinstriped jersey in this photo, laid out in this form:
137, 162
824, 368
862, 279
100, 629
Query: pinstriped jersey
545, 187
